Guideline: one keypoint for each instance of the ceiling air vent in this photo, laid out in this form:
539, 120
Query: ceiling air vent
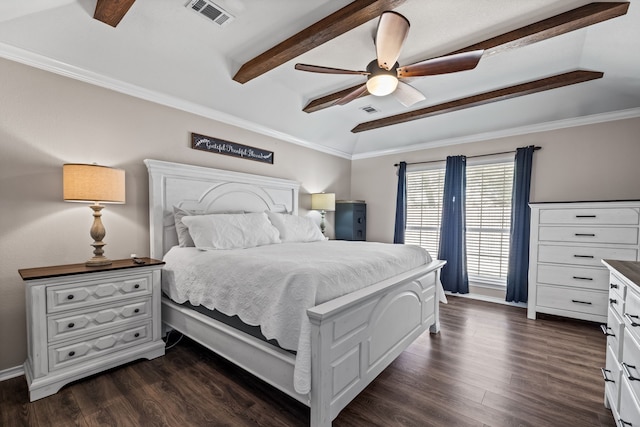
210, 11
369, 109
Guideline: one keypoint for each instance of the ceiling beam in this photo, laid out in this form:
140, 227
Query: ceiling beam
581, 17
349, 17
553, 82
111, 12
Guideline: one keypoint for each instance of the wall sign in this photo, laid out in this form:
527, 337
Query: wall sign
220, 146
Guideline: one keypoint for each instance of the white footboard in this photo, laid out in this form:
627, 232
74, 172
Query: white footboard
356, 336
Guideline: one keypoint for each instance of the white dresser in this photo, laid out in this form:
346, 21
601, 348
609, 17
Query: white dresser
568, 242
622, 371
83, 320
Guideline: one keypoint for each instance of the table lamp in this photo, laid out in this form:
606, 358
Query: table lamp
323, 202
94, 184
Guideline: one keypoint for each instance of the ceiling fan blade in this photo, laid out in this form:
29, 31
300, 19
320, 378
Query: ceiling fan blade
352, 95
328, 70
407, 94
390, 36
442, 65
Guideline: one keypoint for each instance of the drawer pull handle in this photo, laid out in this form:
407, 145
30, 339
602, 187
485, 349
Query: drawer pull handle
582, 278
72, 353
613, 286
624, 423
605, 330
137, 334
136, 286
581, 302
613, 301
604, 375
627, 374
585, 216
583, 256
70, 296
630, 318
585, 235
71, 325
137, 310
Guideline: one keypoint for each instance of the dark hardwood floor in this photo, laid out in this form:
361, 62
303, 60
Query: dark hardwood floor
489, 366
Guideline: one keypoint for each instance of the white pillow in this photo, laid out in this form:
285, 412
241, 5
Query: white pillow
295, 228
231, 231
184, 239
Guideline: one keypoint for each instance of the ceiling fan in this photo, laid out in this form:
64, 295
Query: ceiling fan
384, 72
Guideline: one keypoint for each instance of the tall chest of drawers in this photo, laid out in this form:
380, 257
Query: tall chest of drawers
568, 242
83, 320
622, 370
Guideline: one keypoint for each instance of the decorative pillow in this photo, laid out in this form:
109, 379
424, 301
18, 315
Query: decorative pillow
231, 231
184, 239
295, 228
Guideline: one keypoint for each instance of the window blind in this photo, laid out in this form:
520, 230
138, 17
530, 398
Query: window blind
488, 217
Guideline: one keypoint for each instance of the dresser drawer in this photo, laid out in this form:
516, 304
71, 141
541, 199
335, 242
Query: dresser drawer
615, 332
583, 277
583, 255
630, 362
572, 299
632, 314
65, 297
617, 287
68, 325
619, 235
612, 378
66, 354
590, 216
628, 408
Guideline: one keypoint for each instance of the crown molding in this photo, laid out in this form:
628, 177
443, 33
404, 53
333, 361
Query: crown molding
504, 133
42, 62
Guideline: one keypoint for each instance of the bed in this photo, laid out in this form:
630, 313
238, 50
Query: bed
350, 339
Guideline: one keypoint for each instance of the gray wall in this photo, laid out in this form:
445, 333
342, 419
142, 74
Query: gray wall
47, 120
592, 162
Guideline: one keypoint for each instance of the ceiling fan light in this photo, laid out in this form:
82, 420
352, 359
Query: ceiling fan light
382, 84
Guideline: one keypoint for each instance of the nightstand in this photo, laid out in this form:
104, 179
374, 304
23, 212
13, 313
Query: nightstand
83, 320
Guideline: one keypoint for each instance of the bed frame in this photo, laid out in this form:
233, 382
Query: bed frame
353, 338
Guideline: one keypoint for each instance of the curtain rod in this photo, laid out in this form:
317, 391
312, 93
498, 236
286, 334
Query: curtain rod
535, 148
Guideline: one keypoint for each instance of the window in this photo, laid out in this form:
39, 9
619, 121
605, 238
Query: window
424, 206
488, 218
488, 215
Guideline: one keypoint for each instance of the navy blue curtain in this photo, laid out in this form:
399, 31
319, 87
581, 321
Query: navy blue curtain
453, 247
517, 274
401, 204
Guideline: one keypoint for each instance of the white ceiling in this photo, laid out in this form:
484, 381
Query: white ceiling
166, 53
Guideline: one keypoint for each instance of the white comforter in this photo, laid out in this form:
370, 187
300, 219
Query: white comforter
273, 286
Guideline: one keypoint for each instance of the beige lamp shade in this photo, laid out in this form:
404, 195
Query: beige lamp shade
93, 183
323, 201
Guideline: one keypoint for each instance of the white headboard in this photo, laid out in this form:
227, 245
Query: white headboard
209, 190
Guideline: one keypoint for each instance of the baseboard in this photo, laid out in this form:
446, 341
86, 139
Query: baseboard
7, 374
488, 299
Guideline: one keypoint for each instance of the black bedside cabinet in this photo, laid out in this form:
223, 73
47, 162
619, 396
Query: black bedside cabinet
351, 220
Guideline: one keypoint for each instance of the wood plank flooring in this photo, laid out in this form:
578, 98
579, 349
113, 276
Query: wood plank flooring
489, 366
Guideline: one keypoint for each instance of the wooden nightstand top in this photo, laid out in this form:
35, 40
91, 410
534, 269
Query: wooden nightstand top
69, 269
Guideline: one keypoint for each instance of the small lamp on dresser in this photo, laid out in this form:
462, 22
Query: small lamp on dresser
323, 202
94, 184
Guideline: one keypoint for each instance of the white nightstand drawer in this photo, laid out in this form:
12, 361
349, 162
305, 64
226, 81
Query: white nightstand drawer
65, 297
628, 409
591, 216
620, 235
68, 325
617, 286
66, 354
583, 277
631, 315
572, 299
583, 255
